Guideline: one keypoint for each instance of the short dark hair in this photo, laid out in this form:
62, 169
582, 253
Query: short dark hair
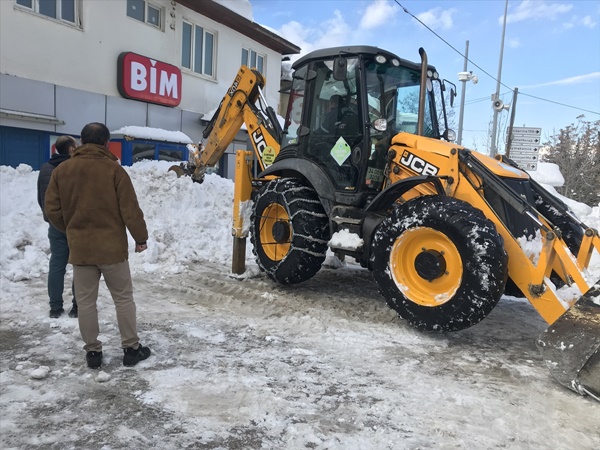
337, 99
64, 143
95, 133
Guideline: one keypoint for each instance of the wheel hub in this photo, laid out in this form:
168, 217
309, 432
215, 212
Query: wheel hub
281, 231
426, 266
430, 264
275, 231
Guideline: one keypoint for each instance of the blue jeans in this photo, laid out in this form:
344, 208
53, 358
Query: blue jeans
59, 257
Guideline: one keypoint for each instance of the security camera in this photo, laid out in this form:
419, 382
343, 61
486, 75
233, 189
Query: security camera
464, 76
467, 76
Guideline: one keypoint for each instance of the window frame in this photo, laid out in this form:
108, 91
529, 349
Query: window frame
192, 50
147, 5
35, 9
249, 51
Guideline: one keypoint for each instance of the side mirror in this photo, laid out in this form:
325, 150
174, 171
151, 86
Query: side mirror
452, 91
339, 68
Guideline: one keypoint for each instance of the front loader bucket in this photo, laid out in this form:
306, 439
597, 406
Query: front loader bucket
571, 345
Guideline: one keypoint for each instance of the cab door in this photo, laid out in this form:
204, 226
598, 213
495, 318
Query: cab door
333, 127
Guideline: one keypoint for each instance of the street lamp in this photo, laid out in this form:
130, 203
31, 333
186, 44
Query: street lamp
464, 77
497, 104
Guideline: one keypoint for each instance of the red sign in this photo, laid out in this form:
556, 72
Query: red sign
148, 80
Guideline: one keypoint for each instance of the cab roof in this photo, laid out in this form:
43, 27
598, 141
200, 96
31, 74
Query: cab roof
332, 52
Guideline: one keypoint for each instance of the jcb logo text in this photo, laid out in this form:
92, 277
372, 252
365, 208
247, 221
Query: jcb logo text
259, 141
417, 164
234, 86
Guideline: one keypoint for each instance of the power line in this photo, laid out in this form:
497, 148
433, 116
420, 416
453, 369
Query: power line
447, 43
481, 99
481, 69
558, 103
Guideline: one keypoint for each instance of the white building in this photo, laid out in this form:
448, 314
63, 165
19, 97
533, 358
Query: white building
157, 63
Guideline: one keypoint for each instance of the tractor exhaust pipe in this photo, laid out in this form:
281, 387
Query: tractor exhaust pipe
422, 92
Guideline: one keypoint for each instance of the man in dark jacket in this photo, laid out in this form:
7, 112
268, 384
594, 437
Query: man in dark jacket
92, 199
333, 116
59, 249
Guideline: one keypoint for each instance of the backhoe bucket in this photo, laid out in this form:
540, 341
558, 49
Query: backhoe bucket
571, 345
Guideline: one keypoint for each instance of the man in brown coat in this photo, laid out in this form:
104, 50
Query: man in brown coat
91, 198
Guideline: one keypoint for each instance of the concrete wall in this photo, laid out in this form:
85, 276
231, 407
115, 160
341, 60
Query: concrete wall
81, 65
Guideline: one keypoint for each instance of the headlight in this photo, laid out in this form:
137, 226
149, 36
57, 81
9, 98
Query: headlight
380, 124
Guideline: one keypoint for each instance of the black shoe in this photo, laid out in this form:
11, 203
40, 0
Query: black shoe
131, 357
73, 312
94, 359
56, 313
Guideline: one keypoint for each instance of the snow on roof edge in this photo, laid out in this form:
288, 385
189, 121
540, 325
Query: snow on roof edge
155, 134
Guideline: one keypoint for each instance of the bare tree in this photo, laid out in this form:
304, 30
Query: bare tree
576, 151
502, 125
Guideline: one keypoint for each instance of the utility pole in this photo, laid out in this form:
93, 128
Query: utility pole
493, 148
462, 98
509, 138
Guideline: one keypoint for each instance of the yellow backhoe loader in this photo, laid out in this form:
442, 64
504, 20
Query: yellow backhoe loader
365, 166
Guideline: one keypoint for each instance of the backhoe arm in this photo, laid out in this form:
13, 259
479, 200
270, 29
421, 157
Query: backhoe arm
243, 103
238, 107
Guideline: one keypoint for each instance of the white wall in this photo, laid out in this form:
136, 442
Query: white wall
37, 48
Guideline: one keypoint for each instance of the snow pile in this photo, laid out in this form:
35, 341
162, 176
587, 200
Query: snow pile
187, 222
286, 70
548, 174
346, 239
252, 364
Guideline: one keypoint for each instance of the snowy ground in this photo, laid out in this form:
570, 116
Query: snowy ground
248, 364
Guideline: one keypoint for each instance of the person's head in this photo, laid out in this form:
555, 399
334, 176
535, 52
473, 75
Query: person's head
335, 101
95, 133
65, 145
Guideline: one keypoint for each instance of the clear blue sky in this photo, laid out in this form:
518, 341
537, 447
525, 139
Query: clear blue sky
551, 49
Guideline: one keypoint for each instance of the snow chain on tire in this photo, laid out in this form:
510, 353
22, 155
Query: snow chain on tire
289, 231
439, 263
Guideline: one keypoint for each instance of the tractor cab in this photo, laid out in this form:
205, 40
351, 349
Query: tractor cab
346, 104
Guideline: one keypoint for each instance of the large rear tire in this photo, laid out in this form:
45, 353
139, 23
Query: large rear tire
439, 263
289, 231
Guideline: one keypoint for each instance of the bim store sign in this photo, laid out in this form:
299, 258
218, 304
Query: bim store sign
148, 80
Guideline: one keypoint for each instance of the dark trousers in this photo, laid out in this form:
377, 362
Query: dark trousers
59, 256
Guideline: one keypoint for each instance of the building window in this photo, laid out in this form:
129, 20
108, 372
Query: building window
170, 155
253, 60
145, 12
197, 49
143, 151
64, 10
